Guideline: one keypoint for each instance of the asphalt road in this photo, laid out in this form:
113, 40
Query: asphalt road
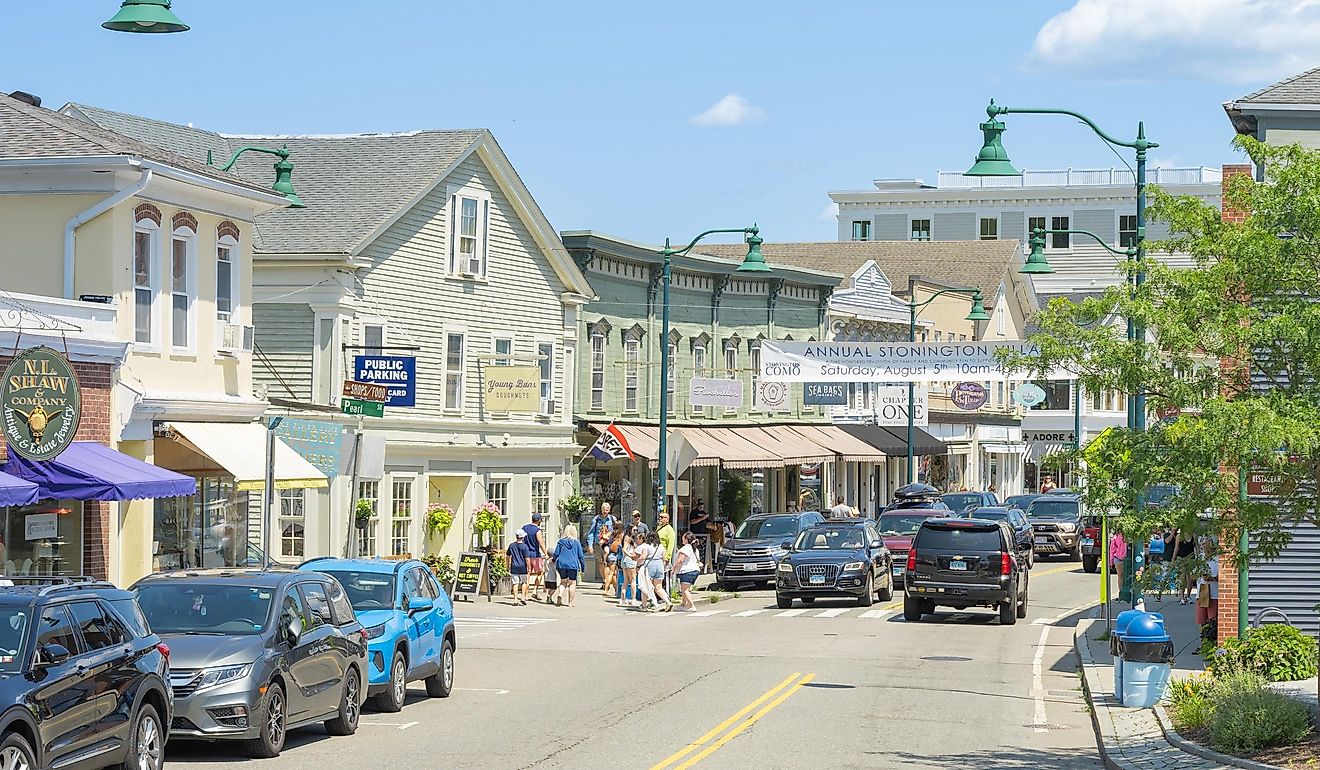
736, 685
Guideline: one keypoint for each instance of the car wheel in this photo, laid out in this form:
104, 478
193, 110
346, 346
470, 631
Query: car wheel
350, 707
146, 743
16, 753
783, 602
887, 593
807, 601
1008, 611
868, 598
270, 742
391, 701
912, 608
1090, 563
1076, 553
441, 683
1031, 558
1022, 600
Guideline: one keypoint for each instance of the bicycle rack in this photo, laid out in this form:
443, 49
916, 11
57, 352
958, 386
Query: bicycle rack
1270, 612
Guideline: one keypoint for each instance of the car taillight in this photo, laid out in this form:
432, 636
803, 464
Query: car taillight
164, 649
1005, 564
912, 560
363, 632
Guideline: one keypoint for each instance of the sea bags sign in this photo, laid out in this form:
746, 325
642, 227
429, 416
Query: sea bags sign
513, 388
398, 373
40, 404
789, 361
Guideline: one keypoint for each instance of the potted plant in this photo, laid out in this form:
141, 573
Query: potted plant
362, 513
443, 569
498, 571
439, 518
574, 507
486, 524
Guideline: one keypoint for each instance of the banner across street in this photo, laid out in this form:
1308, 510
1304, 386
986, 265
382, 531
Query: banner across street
789, 361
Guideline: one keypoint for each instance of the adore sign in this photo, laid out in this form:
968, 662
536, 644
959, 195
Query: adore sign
40, 404
790, 361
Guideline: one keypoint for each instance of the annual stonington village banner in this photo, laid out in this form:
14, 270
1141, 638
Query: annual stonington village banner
892, 362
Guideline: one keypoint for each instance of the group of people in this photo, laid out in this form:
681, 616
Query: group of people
638, 565
1185, 563
527, 564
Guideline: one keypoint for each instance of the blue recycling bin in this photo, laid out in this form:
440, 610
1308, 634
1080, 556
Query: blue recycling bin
1147, 661
1116, 646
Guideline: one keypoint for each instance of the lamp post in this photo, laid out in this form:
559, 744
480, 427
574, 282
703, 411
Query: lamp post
150, 16
283, 171
977, 313
754, 262
992, 160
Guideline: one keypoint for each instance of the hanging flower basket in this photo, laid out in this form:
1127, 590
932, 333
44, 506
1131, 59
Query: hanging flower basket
487, 523
362, 513
439, 518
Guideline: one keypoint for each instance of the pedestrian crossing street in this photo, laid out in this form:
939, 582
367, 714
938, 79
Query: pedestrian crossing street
471, 627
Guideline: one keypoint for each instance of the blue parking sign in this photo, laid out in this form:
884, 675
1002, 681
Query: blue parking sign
398, 373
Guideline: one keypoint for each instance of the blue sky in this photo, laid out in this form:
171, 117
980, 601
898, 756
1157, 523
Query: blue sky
597, 103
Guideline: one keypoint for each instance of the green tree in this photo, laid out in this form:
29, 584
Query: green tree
1246, 312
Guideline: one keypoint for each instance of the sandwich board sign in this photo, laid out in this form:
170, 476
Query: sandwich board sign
471, 579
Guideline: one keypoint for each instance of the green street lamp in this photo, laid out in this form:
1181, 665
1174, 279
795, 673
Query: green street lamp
993, 161
152, 16
753, 263
283, 171
977, 313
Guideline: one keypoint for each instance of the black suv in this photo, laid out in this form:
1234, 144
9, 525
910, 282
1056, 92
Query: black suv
82, 677
757, 546
965, 563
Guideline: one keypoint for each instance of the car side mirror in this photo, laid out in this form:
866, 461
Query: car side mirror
877, 543
51, 655
420, 604
293, 629
787, 545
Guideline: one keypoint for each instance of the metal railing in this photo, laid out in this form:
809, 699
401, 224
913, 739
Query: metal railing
1070, 177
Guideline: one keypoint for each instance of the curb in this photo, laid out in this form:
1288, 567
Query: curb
1084, 655
1191, 747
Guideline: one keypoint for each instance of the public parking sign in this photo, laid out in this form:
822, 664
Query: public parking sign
398, 373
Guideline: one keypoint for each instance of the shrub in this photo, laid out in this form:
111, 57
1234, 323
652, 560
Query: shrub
1191, 703
1250, 720
1277, 652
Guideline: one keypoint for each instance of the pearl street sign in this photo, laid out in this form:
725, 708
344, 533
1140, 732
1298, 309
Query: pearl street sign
360, 407
40, 404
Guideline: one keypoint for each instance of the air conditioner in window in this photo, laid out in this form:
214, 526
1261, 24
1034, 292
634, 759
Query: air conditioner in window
548, 407
234, 338
472, 267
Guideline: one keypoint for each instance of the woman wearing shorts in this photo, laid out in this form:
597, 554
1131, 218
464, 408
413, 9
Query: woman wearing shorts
655, 573
569, 561
627, 586
686, 568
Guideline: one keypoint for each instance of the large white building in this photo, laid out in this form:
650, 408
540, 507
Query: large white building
961, 208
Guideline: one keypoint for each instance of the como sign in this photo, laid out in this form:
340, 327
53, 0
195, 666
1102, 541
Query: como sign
896, 362
40, 404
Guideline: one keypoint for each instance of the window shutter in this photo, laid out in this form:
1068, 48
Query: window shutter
484, 249
453, 235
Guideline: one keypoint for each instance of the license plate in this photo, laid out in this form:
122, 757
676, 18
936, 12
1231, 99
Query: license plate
899, 570
1043, 541
817, 580
957, 565
1087, 541
749, 567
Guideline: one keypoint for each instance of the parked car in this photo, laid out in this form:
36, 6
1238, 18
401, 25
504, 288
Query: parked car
1019, 502
898, 527
758, 544
1092, 547
1057, 521
1023, 535
966, 501
843, 557
965, 563
256, 653
82, 678
409, 620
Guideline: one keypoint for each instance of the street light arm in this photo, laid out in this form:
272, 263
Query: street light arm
667, 251
918, 305
1128, 252
1141, 143
282, 154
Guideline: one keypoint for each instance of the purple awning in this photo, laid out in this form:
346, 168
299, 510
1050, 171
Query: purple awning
16, 491
91, 471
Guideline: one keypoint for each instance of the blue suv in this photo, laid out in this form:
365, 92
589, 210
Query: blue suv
409, 621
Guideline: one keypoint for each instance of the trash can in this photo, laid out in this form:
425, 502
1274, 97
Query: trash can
1147, 661
1116, 646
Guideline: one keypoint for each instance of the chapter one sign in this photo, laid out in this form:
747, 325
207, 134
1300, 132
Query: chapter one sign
40, 404
790, 361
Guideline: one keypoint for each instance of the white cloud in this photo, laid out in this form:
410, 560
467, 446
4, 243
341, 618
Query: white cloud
1231, 41
830, 213
729, 112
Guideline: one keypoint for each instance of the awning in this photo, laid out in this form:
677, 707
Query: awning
797, 447
1039, 450
842, 443
1004, 449
742, 447
16, 491
893, 441
643, 440
91, 471
240, 448
707, 449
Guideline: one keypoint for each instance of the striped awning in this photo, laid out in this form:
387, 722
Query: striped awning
842, 444
1039, 450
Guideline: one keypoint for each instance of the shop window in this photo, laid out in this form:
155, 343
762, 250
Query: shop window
293, 522
401, 517
369, 491
498, 493
541, 497
204, 531
44, 539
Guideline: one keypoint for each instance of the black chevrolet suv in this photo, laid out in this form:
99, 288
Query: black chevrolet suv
965, 563
82, 677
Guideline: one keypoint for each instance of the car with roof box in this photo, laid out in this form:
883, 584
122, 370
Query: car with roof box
409, 620
256, 653
83, 680
963, 563
758, 544
840, 557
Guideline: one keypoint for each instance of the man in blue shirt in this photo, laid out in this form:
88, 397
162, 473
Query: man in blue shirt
535, 541
519, 554
601, 532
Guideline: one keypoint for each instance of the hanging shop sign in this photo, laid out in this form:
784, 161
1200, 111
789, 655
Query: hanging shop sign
891, 406
40, 404
1028, 394
513, 388
318, 442
366, 391
969, 395
398, 373
825, 393
714, 391
772, 396
790, 361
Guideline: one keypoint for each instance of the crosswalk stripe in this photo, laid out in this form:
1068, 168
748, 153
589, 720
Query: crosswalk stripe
790, 613
747, 613
872, 614
834, 613
512, 621
707, 613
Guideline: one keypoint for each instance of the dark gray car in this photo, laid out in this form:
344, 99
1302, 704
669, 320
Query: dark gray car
256, 653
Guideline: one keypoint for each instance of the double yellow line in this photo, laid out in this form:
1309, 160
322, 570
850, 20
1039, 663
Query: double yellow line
776, 695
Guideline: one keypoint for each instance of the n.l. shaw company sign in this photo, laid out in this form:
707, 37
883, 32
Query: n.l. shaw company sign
40, 404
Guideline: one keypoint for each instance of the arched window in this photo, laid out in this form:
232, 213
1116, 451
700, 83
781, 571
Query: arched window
146, 270
183, 281
226, 271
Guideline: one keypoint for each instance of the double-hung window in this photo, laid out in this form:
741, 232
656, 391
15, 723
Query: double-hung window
292, 522
699, 370
1059, 240
1127, 231
497, 492
369, 491
541, 497
755, 354
597, 370
1034, 224
670, 378
226, 277
454, 370
401, 517
861, 230
631, 359
545, 353
146, 240
469, 222
989, 228
503, 352
373, 339
183, 287
920, 230
731, 366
